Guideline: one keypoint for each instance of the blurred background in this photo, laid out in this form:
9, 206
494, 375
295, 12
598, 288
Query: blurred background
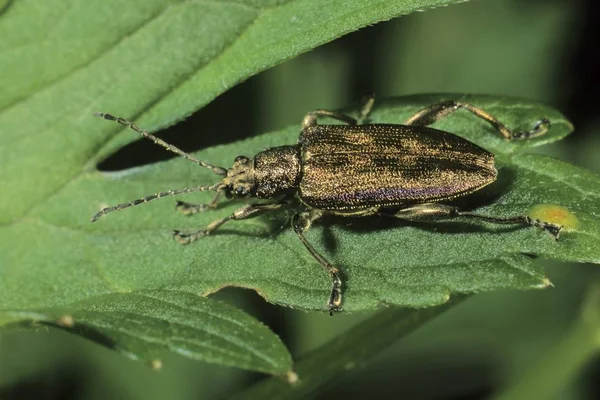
545, 50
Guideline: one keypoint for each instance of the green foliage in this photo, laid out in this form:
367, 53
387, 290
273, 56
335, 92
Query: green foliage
70, 262
124, 282
163, 58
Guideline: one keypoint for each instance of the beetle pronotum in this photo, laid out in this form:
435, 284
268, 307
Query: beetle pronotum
354, 170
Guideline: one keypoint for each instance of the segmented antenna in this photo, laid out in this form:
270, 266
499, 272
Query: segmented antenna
159, 195
162, 143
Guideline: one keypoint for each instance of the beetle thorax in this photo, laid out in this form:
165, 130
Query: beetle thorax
276, 172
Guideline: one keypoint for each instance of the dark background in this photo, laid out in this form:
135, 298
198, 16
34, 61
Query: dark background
539, 49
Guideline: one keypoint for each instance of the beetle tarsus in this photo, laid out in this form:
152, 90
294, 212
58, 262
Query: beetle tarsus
191, 209
187, 238
435, 112
335, 298
552, 229
540, 128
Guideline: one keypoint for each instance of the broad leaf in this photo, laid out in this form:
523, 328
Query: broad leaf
59, 258
145, 324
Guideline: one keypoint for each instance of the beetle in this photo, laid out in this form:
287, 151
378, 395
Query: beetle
355, 170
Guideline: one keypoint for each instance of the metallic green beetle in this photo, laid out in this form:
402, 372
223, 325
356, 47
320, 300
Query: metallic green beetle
355, 170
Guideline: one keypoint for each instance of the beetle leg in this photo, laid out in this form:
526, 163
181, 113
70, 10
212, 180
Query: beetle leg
435, 112
311, 118
441, 211
301, 222
189, 208
249, 211
366, 109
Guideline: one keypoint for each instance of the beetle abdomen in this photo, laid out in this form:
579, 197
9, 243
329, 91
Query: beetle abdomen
349, 168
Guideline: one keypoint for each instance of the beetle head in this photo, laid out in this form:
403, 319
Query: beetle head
240, 180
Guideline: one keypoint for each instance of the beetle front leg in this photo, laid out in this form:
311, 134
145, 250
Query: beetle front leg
429, 211
249, 211
435, 112
190, 209
301, 222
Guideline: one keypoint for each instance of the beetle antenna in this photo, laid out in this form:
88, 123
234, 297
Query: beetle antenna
159, 195
162, 143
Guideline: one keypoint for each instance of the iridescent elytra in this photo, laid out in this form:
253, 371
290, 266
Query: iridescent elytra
355, 170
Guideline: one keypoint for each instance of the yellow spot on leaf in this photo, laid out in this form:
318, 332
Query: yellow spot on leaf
554, 214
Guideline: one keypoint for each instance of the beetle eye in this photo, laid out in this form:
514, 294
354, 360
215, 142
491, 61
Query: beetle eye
241, 159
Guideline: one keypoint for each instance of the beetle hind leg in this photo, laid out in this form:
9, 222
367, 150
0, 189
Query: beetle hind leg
301, 222
435, 112
432, 211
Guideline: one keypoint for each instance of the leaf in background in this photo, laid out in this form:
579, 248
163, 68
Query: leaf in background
147, 323
162, 58
348, 351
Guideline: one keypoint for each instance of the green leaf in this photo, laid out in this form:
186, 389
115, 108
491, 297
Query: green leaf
145, 324
59, 258
161, 58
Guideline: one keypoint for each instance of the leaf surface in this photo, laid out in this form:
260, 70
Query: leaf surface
59, 258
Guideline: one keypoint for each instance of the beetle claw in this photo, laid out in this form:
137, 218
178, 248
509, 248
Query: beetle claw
554, 230
187, 238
